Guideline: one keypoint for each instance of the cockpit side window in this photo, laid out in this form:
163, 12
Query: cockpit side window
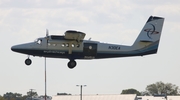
38, 41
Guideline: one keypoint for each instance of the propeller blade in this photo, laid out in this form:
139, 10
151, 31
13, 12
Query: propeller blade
47, 36
47, 33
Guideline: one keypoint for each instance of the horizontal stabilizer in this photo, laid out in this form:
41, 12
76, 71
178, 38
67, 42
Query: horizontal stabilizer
146, 41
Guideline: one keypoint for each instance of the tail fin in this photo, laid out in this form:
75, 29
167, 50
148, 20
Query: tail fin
148, 40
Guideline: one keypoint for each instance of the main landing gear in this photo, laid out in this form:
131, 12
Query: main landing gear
71, 64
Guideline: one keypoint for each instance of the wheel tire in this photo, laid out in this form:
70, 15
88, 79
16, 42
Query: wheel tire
28, 61
71, 64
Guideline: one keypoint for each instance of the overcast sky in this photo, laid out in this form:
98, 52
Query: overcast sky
111, 21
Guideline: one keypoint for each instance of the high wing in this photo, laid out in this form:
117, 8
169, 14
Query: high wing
74, 35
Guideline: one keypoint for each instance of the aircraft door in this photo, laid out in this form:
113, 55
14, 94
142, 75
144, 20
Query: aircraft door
90, 49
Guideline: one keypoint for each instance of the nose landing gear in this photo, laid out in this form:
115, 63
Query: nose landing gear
28, 61
71, 64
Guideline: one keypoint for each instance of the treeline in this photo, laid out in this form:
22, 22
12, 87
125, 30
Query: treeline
158, 88
17, 96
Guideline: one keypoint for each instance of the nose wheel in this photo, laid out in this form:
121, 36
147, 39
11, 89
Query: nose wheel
71, 64
28, 61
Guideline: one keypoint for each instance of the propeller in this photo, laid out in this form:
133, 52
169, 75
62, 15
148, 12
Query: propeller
47, 33
47, 36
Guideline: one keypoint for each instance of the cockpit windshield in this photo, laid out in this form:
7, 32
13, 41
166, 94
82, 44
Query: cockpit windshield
38, 41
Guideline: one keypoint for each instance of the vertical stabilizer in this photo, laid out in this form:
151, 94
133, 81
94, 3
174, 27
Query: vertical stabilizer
148, 40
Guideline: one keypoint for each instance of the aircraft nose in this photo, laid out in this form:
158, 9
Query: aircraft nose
19, 48
22, 48
14, 48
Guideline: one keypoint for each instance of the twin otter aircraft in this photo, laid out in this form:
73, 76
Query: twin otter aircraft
73, 46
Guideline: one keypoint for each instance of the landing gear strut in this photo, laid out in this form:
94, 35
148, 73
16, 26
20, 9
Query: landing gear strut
71, 64
28, 61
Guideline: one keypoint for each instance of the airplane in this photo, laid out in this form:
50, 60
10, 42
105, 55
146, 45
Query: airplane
72, 45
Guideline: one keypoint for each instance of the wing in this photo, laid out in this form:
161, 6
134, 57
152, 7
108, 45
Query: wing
74, 35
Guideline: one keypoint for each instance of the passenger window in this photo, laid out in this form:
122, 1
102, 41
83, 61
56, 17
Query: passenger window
90, 47
78, 45
67, 44
54, 44
63, 45
73, 45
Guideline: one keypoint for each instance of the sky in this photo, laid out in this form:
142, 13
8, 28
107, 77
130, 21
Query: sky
109, 21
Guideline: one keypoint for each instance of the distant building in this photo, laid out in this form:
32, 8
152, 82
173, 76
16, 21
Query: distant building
113, 97
158, 98
96, 97
39, 98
